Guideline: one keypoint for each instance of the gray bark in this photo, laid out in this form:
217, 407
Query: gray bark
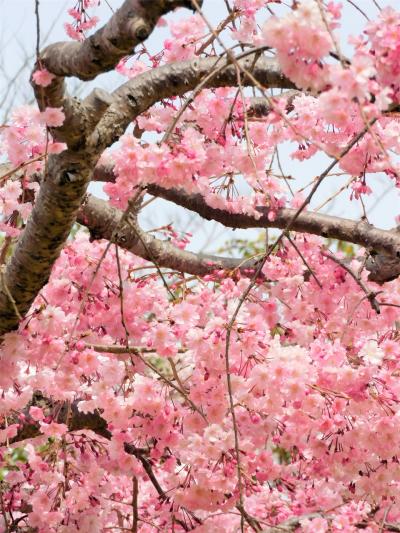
103, 222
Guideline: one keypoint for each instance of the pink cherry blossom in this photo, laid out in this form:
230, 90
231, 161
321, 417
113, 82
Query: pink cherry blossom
42, 77
130, 398
53, 117
36, 413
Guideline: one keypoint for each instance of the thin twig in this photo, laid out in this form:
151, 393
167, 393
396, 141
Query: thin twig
370, 295
222, 25
138, 352
175, 373
37, 29
253, 523
267, 254
304, 260
329, 30
382, 527
121, 296
335, 194
215, 71
358, 9
129, 448
137, 232
5, 176
6, 289
120, 350
135, 493
120, 224
285, 177
250, 147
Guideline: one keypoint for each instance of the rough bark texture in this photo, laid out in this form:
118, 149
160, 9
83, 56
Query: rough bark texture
140, 93
130, 25
64, 186
260, 107
103, 221
362, 233
56, 95
382, 266
384, 243
69, 414
80, 116
62, 413
98, 121
46, 231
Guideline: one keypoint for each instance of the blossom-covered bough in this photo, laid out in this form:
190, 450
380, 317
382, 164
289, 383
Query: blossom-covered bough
145, 387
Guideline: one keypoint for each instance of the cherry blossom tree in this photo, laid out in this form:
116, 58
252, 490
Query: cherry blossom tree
146, 387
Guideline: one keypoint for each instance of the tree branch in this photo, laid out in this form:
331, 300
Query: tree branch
48, 227
260, 107
81, 117
383, 267
62, 413
378, 240
69, 414
175, 79
130, 25
64, 186
56, 95
361, 232
102, 220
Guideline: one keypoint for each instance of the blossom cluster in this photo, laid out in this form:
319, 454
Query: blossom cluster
129, 401
313, 376
82, 21
25, 144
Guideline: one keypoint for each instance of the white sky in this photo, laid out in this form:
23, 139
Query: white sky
17, 42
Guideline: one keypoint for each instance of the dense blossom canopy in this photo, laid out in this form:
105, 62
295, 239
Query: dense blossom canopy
146, 388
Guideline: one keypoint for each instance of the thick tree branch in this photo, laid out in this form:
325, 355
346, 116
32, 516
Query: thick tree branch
130, 25
62, 191
382, 241
175, 79
64, 186
259, 106
344, 229
62, 413
56, 95
383, 267
52, 218
69, 414
80, 116
103, 220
